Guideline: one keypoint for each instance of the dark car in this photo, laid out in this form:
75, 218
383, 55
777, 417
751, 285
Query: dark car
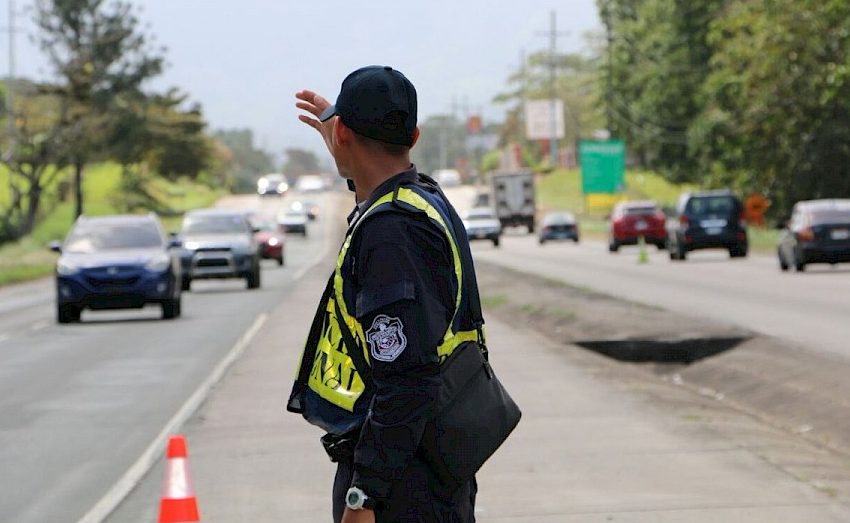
116, 262
707, 220
269, 235
558, 226
481, 223
632, 220
219, 243
272, 185
818, 232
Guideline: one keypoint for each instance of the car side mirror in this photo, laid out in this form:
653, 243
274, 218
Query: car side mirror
175, 243
255, 230
55, 246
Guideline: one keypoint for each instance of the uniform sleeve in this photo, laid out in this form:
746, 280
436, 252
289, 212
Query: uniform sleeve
405, 299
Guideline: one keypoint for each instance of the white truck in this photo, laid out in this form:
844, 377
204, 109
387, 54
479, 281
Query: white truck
512, 195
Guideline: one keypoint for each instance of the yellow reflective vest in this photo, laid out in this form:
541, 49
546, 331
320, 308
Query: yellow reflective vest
329, 389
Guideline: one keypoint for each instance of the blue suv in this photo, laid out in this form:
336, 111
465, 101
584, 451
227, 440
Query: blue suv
116, 262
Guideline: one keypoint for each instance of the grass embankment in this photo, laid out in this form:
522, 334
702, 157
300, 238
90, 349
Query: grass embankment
561, 190
30, 258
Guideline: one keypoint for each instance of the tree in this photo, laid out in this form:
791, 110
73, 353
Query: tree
300, 161
99, 56
777, 102
36, 153
247, 162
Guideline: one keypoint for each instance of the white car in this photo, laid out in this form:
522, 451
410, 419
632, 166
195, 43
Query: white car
310, 183
482, 224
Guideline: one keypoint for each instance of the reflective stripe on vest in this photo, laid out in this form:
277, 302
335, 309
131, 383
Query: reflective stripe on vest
334, 376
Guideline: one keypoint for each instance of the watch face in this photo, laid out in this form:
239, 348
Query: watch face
354, 499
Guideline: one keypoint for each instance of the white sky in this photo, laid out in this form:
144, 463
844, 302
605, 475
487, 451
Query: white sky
243, 60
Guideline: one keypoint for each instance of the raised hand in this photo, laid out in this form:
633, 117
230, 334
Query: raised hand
315, 104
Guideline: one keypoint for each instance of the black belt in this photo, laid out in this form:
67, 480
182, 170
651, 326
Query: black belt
340, 448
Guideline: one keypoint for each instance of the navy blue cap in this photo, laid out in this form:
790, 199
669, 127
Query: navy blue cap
377, 102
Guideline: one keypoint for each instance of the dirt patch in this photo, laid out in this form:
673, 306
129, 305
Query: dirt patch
796, 390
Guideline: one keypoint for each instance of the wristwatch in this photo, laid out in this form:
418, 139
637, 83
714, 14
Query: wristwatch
356, 499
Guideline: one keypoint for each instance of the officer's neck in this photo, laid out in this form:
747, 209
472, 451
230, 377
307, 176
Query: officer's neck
375, 170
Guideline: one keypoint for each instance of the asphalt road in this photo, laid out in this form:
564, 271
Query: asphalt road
79, 404
808, 309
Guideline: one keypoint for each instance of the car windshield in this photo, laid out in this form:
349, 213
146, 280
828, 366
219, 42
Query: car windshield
264, 224
639, 211
214, 224
94, 237
830, 216
484, 214
558, 219
705, 205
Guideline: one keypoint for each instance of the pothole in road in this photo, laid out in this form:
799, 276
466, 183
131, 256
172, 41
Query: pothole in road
686, 351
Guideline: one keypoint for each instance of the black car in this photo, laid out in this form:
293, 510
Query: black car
558, 226
707, 220
116, 262
219, 243
818, 232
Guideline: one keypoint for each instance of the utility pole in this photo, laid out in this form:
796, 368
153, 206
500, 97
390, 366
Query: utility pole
553, 87
10, 97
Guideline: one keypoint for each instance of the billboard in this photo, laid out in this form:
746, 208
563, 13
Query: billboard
603, 165
538, 119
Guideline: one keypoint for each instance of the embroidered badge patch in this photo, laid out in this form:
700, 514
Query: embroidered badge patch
386, 338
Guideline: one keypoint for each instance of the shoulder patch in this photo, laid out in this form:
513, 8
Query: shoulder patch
386, 338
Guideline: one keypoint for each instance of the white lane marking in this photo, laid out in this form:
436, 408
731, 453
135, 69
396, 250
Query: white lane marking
151, 455
38, 326
4, 337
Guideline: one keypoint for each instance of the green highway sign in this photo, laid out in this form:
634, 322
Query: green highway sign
603, 165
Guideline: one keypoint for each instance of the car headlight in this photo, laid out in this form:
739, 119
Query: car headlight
66, 268
191, 246
158, 263
273, 242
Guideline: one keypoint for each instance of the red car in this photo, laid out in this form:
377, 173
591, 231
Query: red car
631, 220
269, 236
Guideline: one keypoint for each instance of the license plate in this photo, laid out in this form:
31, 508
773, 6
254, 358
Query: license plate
713, 224
641, 226
840, 234
480, 234
714, 231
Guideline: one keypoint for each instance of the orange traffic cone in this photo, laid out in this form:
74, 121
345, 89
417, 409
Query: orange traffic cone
178, 503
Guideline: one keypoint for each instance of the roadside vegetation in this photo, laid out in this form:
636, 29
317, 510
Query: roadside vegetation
29, 257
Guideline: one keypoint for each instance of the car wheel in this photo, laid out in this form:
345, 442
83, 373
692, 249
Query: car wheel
613, 246
783, 265
738, 252
541, 241
681, 253
185, 284
799, 264
660, 246
171, 309
253, 278
280, 260
496, 242
67, 313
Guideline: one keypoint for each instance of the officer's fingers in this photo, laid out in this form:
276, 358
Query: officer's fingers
315, 101
310, 108
315, 124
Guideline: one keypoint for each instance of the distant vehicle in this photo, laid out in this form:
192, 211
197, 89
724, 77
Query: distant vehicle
294, 220
269, 235
272, 185
116, 262
482, 224
558, 226
219, 243
818, 232
513, 198
447, 177
310, 183
482, 199
707, 220
309, 207
631, 220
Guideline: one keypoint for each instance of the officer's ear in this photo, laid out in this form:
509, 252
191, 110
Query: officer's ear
342, 133
415, 136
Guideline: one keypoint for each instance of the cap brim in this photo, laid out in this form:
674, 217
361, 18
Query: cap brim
328, 113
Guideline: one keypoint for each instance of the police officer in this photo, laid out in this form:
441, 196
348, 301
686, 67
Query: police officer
395, 307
